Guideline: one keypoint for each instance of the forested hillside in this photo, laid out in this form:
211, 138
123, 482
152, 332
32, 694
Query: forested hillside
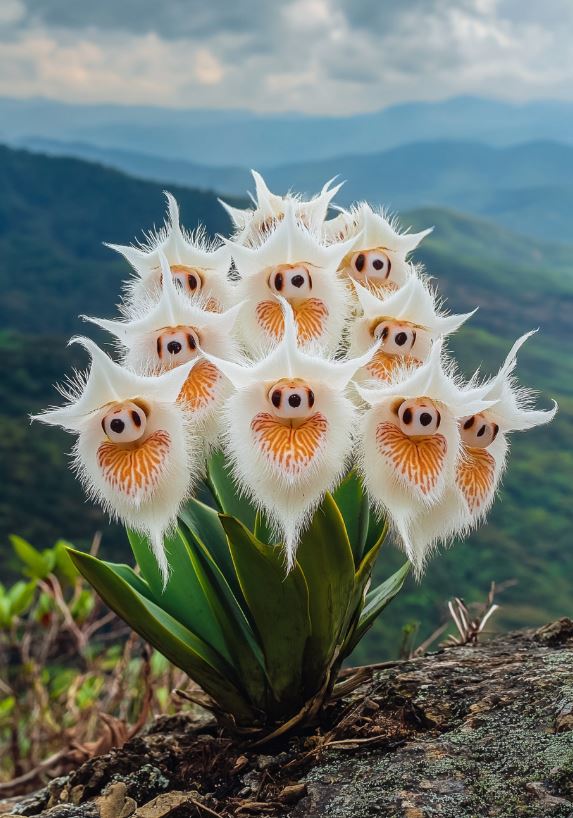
54, 216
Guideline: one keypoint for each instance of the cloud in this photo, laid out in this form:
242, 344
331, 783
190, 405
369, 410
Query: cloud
317, 56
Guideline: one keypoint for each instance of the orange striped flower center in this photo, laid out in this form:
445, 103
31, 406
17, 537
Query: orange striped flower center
135, 470
310, 316
200, 387
475, 477
289, 447
383, 365
418, 460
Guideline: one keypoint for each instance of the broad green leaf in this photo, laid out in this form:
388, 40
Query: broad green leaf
21, 596
183, 595
64, 567
179, 644
279, 605
231, 501
352, 501
127, 573
376, 601
262, 529
367, 563
5, 612
325, 557
38, 564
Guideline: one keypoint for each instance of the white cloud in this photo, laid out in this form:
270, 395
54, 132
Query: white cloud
318, 56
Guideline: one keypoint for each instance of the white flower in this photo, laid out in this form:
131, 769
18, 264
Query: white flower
289, 430
292, 264
197, 266
172, 332
252, 225
407, 322
410, 442
134, 452
379, 254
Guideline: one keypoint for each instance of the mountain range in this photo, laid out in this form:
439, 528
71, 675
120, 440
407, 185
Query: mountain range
54, 215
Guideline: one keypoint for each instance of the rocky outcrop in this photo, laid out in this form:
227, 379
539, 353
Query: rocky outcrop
469, 732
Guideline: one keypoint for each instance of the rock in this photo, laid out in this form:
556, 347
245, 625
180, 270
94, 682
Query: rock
469, 732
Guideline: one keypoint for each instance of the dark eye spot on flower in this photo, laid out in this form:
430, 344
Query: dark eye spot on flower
174, 347
276, 398
359, 263
469, 422
294, 401
425, 418
136, 418
297, 281
495, 431
407, 416
481, 432
401, 339
385, 333
192, 282
310, 398
191, 341
279, 282
378, 264
438, 419
117, 426
159, 347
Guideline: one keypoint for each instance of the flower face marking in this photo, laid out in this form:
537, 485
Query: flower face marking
419, 416
134, 471
125, 423
177, 345
289, 448
477, 432
383, 364
402, 338
419, 461
291, 281
373, 265
310, 316
188, 279
200, 388
291, 399
475, 477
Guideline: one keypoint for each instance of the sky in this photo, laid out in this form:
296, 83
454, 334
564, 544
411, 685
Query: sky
313, 56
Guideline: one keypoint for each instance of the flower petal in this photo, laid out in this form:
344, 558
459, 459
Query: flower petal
135, 472
291, 449
475, 477
418, 461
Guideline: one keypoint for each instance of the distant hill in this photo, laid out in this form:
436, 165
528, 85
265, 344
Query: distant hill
241, 138
526, 187
54, 214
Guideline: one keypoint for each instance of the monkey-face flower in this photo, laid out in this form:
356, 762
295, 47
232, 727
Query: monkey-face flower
410, 442
198, 267
291, 264
133, 453
173, 332
252, 225
407, 322
288, 430
378, 259
484, 435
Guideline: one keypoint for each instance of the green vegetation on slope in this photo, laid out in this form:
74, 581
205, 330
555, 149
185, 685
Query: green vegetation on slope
55, 213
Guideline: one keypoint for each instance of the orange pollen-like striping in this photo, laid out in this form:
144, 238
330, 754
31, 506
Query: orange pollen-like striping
475, 475
289, 447
212, 305
382, 365
310, 317
380, 288
136, 470
418, 460
199, 389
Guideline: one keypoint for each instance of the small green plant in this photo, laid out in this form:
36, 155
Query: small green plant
299, 371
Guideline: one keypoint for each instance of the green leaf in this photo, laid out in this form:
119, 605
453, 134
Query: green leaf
376, 601
279, 605
64, 567
230, 499
352, 501
5, 612
38, 564
179, 644
20, 597
183, 595
262, 530
325, 557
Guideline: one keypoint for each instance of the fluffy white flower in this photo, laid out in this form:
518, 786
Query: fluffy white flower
252, 225
172, 332
409, 444
134, 452
197, 266
289, 430
378, 259
406, 321
292, 264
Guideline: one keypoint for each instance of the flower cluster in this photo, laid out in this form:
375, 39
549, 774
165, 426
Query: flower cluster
303, 347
